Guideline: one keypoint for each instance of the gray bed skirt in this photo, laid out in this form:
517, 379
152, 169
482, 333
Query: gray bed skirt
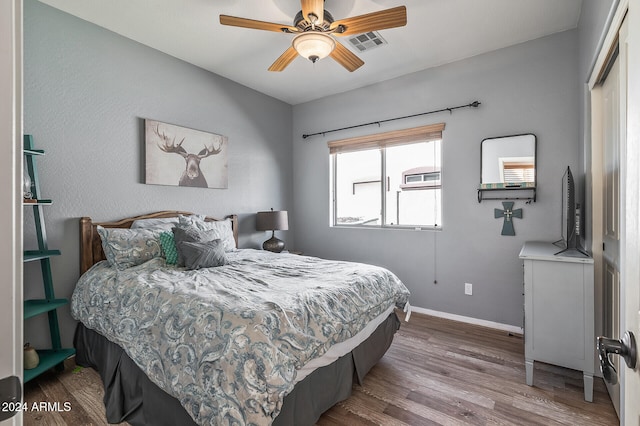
130, 395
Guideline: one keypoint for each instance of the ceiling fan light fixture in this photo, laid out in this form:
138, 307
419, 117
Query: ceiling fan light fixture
314, 45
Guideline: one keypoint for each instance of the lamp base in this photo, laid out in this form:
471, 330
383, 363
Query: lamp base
273, 244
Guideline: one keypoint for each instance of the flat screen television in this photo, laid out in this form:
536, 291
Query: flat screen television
571, 218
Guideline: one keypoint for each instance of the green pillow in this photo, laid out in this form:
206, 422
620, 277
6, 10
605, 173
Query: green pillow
168, 243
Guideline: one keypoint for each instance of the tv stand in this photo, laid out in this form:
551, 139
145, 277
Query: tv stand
570, 251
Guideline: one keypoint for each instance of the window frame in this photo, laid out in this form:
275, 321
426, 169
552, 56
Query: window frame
518, 164
381, 141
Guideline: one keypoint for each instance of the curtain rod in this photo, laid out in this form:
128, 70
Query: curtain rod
474, 104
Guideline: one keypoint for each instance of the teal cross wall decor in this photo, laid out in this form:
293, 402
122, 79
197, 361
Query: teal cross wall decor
508, 213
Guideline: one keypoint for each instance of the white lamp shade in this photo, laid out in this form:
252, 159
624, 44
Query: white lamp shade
313, 45
272, 221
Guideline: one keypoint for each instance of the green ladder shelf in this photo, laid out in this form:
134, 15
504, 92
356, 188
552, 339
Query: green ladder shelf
54, 357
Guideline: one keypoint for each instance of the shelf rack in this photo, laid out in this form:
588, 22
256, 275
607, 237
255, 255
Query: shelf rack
515, 193
55, 356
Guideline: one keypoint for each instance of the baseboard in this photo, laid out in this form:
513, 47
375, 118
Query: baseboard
469, 320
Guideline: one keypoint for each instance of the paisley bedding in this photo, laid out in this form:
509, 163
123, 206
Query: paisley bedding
227, 341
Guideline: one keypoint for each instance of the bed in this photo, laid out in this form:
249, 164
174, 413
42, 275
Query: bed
261, 338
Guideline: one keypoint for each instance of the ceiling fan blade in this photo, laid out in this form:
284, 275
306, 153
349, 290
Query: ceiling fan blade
346, 58
234, 21
285, 59
315, 7
389, 18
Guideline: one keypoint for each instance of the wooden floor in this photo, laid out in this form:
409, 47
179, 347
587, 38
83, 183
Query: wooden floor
437, 372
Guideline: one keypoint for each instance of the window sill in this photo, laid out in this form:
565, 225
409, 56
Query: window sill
389, 227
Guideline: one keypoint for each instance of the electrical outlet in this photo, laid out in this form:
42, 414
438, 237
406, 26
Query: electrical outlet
468, 289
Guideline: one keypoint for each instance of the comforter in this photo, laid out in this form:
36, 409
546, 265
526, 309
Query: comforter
227, 341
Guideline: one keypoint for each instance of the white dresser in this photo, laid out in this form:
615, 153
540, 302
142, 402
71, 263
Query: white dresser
558, 311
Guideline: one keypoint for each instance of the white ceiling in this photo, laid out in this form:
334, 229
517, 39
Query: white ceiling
437, 32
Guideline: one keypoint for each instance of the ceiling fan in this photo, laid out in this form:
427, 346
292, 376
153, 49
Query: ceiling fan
314, 27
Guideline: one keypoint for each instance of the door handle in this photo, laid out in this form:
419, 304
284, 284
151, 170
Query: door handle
625, 347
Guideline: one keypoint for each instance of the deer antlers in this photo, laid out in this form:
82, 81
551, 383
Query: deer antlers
209, 151
170, 146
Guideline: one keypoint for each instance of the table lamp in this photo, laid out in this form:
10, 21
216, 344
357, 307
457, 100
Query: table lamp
272, 221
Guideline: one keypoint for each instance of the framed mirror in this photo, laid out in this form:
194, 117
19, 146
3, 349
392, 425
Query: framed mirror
508, 163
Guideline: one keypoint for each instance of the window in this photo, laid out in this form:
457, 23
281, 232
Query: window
517, 170
388, 179
420, 177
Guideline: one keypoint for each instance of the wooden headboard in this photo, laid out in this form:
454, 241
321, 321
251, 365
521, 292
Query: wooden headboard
91, 244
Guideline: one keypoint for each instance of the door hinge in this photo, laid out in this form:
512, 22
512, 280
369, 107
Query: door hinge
602, 246
10, 394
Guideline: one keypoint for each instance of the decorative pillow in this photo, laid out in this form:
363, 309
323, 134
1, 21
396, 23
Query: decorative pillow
193, 235
165, 223
206, 254
125, 248
168, 243
190, 221
222, 227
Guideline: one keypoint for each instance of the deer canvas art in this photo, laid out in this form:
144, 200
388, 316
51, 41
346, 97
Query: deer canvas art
181, 156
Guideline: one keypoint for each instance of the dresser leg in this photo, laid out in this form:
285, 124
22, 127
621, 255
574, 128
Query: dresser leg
528, 366
588, 387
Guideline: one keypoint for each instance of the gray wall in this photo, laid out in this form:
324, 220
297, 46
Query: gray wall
592, 28
532, 87
86, 93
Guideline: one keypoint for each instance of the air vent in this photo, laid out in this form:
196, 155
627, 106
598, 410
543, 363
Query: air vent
367, 41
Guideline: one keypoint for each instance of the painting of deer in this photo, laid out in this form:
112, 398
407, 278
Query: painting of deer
187, 162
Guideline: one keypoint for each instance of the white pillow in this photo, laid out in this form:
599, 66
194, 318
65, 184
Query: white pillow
222, 228
165, 223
